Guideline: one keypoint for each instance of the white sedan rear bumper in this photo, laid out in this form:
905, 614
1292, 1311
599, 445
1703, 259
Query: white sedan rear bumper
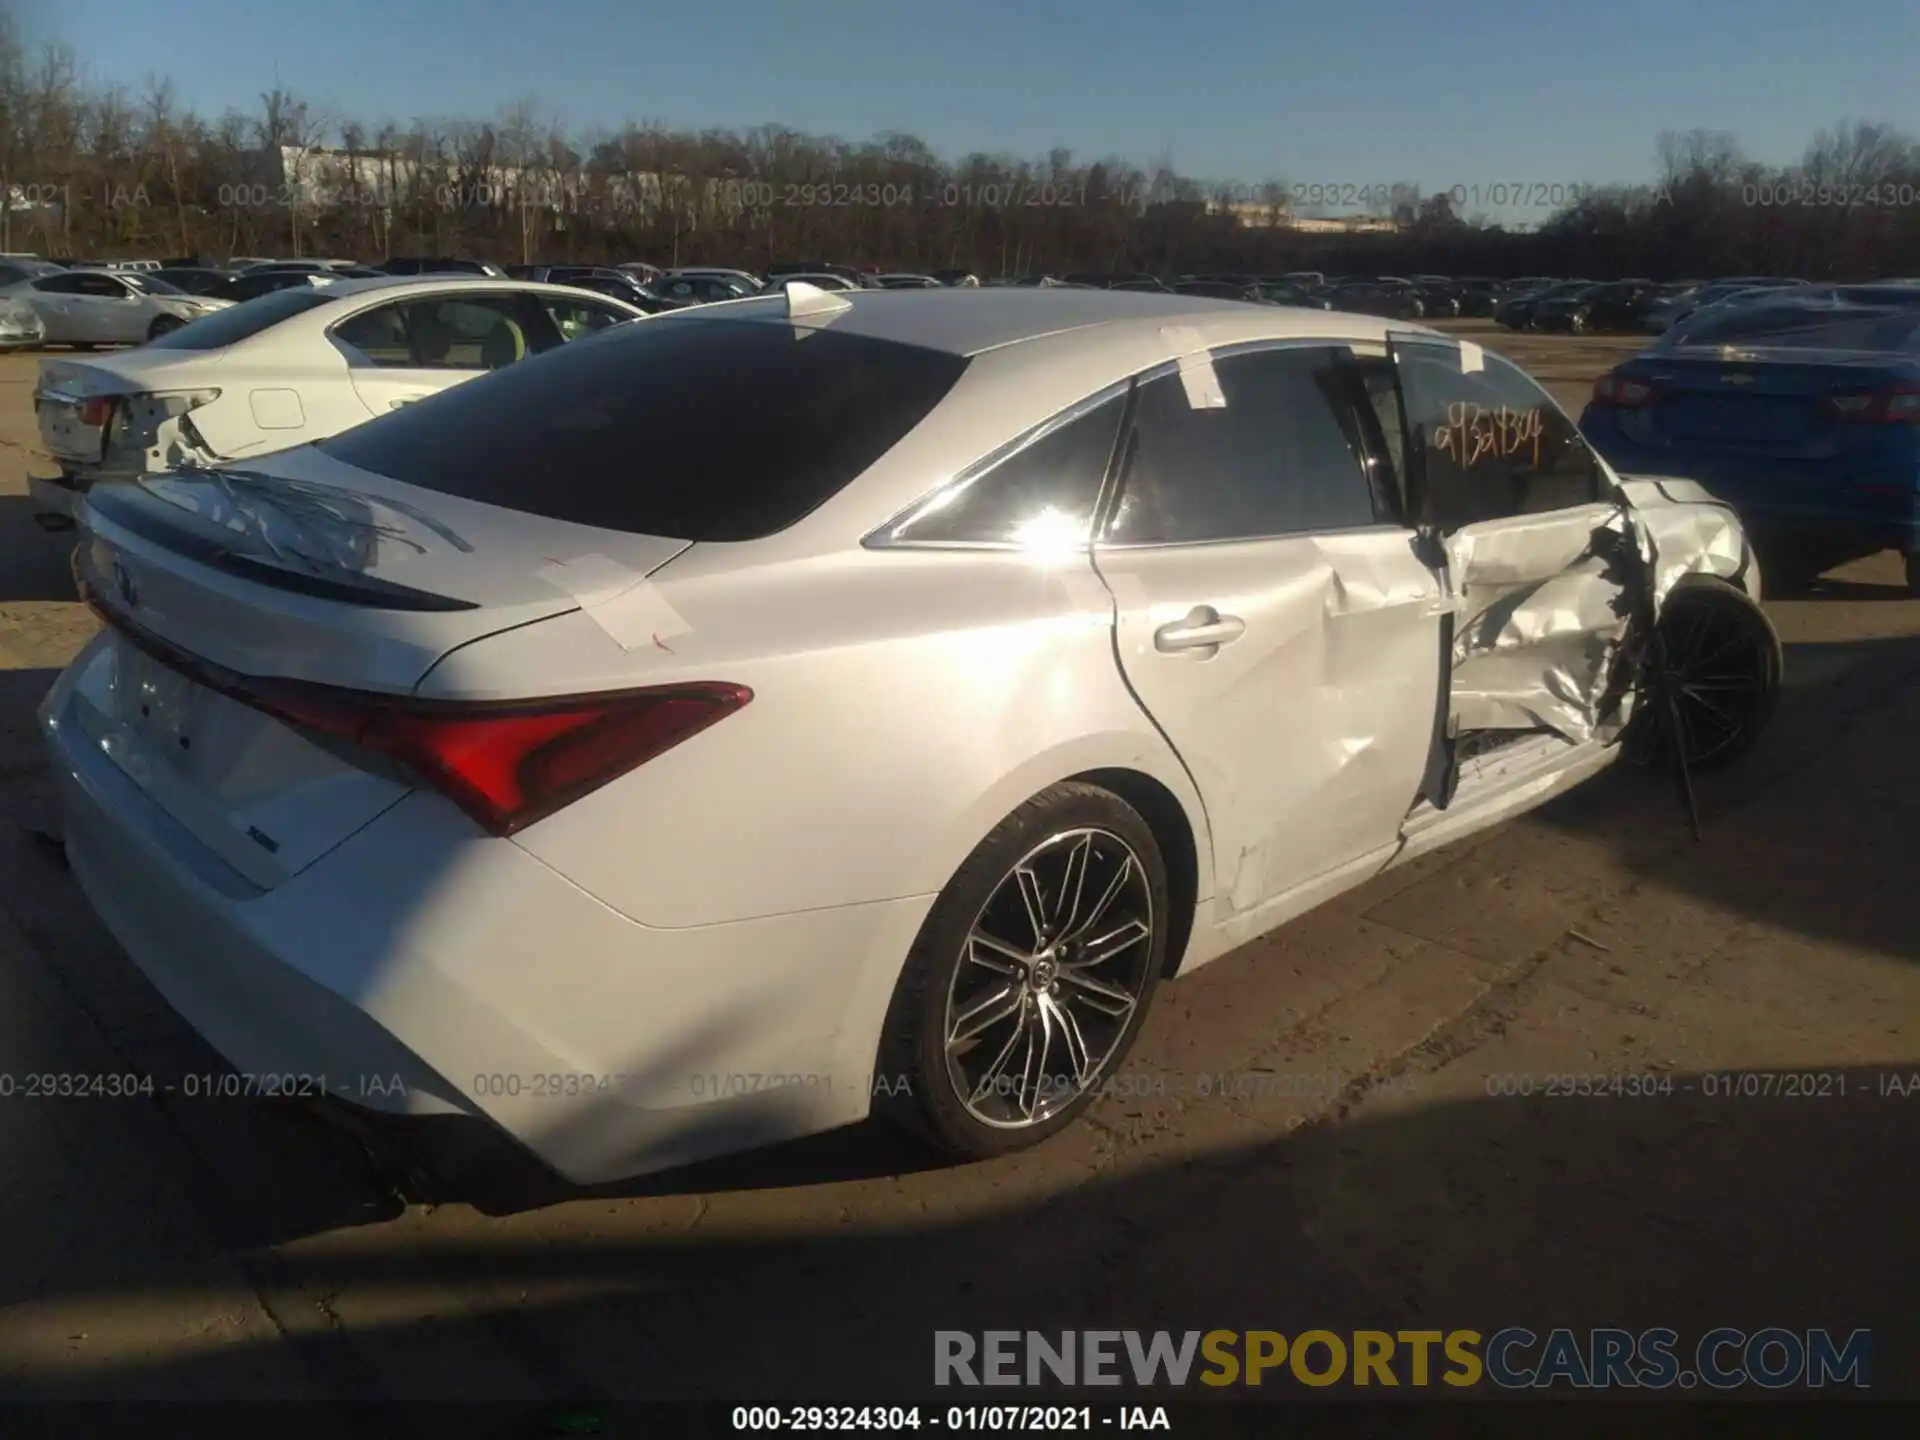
422, 968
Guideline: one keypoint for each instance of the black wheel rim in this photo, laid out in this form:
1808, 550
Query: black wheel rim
1050, 977
1714, 679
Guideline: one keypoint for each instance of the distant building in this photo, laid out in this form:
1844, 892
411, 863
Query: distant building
315, 177
1253, 215
1256, 216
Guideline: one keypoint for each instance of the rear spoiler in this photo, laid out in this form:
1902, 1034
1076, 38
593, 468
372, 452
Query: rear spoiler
122, 506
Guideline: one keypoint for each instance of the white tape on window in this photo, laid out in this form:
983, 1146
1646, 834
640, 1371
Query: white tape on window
1472, 358
622, 602
1202, 385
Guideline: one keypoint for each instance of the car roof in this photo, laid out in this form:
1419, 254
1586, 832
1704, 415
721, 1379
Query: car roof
972, 322
422, 284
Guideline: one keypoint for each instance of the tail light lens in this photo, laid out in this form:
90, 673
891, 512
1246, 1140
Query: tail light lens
1896, 405
507, 764
96, 410
1622, 390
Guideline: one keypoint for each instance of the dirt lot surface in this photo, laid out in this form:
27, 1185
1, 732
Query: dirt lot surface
166, 1247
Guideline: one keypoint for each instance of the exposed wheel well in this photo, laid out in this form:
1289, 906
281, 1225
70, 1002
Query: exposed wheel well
1168, 820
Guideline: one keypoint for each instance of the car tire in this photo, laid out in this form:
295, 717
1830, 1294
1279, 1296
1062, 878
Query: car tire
999, 976
1913, 576
164, 325
1577, 323
1724, 665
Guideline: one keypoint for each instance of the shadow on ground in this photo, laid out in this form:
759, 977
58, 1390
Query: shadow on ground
1839, 758
1688, 1211
37, 561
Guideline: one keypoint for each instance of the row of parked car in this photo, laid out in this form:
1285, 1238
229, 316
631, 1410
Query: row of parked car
87, 303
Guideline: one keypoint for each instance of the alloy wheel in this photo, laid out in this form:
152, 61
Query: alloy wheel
1051, 975
1720, 672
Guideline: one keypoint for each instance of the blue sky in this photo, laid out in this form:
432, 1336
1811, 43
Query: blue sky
1436, 92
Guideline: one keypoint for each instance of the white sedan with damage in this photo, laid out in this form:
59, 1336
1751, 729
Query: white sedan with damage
87, 308
290, 368
701, 736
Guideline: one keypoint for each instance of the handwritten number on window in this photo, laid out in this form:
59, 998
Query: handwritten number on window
1473, 433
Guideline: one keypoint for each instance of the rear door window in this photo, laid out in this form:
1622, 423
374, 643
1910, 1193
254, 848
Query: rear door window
467, 332
100, 284
683, 427
575, 318
1282, 456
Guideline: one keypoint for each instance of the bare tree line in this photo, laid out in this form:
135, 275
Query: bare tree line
97, 171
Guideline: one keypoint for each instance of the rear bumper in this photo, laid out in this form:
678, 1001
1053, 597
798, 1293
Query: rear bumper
423, 969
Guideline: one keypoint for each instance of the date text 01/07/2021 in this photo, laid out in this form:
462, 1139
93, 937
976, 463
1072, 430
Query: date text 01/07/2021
961, 1419
198, 1085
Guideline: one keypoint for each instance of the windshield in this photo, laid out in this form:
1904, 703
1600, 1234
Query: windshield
242, 322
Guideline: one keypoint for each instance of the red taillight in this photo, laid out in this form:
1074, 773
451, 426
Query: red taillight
1622, 390
1897, 405
507, 764
96, 410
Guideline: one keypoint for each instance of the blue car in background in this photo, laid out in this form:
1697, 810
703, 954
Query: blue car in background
1803, 414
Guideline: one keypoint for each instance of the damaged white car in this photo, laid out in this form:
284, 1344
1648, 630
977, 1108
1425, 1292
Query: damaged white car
289, 368
699, 737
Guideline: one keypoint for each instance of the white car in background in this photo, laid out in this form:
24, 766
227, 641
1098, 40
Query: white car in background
824, 702
85, 308
20, 327
834, 284
749, 283
288, 368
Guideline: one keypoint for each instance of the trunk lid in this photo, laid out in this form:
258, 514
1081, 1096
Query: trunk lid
312, 571
65, 385
1759, 402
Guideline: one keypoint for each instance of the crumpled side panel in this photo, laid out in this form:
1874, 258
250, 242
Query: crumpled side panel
1306, 735
1689, 532
1541, 620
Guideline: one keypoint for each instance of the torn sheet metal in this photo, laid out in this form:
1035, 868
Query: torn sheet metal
1542, 616
622, 602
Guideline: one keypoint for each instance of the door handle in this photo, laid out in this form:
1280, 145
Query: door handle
1204, 628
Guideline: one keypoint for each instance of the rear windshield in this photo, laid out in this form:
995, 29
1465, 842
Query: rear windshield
682, 427
241, 322
1805, 328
